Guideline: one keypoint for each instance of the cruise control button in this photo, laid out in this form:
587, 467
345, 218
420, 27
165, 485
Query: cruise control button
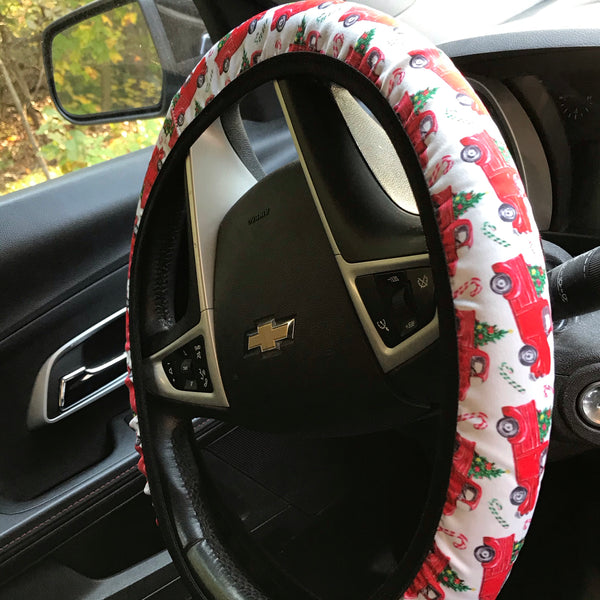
400, 303
408, 327
378, 311
387, 330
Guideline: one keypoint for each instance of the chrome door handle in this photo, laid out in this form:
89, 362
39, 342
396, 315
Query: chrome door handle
87, 383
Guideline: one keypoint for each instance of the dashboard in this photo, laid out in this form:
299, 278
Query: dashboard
547, 104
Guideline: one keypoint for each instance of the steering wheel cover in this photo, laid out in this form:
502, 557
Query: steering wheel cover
488, 233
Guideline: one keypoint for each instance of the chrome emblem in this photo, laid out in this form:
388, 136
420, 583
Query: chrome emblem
269, 335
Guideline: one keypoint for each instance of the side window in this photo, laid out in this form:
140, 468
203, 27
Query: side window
36, 142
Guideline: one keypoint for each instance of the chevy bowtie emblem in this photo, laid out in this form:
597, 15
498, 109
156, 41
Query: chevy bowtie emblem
269, 335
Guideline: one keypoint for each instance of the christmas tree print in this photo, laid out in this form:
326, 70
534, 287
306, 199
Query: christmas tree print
538, 276
544, 422
516, 549
482, 468
299, 39
168, 126
260, 34
363, 42
420, 99
449, 578
486, 333
222, 42
197, 108
245, 62
504, 151
463, 201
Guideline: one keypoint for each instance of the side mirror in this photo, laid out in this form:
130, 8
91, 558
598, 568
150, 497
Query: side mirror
110, 61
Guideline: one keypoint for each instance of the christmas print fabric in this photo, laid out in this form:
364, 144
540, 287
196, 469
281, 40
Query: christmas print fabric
494, 259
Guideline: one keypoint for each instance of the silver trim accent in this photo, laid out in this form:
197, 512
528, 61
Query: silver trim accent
212, 165
37, 415
389, 358
88, 373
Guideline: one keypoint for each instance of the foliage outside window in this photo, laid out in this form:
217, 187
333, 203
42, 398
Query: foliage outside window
37, 144
107, 63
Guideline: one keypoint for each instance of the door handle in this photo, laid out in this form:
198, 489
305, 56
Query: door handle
86, 383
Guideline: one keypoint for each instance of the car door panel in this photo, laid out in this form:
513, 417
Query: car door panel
64, 247
58, 237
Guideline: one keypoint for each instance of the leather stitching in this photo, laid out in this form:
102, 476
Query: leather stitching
68, 508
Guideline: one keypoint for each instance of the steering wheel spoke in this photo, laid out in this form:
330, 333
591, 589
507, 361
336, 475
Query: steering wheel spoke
187, 370
364, 193
395, 302
183, 364
347, 159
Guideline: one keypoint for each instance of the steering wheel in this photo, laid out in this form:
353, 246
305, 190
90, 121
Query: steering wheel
307, 300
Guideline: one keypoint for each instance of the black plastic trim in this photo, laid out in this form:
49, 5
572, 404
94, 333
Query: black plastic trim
522, 40
81, 224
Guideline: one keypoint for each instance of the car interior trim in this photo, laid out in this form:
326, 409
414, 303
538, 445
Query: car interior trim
37, 415
522, 40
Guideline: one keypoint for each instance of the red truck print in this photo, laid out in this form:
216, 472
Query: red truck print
229, 45
504, 178
496, 556
472, 362
311, 42
419, 126
154, 166
531, 312
200, 73
282, 14
253, 22
426, 583
461, 486
521, 428
359, 14
432, 59
184, 97
369, 61
456, 233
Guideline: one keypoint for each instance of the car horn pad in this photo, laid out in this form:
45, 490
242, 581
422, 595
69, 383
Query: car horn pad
495, 264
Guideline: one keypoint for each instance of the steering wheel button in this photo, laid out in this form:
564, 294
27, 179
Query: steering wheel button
378, 305
389, 282
190, 385
189, 374
172, 369
408, 327
386, 329
423, 293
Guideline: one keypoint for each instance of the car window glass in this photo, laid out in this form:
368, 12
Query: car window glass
36, 143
